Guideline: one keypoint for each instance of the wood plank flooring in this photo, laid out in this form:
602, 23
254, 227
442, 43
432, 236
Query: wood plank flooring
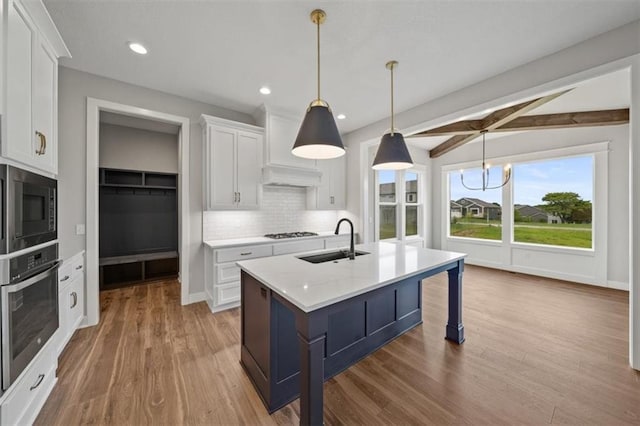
538, 351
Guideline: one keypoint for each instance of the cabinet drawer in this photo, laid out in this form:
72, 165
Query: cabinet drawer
227, 272
65, 275
337, 242
242, 253
298, 246
77, 265
228, 293
28, 394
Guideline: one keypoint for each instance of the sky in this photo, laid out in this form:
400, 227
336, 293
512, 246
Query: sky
531, 181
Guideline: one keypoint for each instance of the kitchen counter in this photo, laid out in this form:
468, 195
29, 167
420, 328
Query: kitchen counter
303, 323
311, 286
235, 242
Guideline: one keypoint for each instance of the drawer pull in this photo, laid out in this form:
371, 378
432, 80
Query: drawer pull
66, 277
247, 253
40, 379
78, 267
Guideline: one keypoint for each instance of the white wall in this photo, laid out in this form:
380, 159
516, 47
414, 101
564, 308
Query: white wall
617, 210
137, 149
74, 88
283, 210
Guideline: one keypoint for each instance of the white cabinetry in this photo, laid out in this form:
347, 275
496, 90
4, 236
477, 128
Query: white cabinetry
233, 164
29, 122
281, 130
22, 402
222, 275
331, 193
70, 299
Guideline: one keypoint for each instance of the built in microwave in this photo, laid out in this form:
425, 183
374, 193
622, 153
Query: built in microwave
29, 209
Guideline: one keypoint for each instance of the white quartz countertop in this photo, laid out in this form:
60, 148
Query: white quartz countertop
312, 286
233, 242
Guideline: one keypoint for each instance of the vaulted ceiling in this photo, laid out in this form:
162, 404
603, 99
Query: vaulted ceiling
222, 52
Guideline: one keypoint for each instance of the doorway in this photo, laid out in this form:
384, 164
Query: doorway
130, 114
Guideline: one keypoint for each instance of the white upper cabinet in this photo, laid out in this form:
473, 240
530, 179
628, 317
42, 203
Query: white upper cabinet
331, 193
281, 130
233, 164
29, 123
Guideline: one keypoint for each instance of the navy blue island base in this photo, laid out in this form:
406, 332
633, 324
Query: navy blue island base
289, 353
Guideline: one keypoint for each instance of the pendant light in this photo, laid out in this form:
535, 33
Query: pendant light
485, 172
318, 137
392, 152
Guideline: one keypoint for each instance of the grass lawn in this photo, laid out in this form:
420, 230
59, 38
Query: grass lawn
560, 234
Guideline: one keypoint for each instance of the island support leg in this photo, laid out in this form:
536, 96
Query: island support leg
455, 329
311, 374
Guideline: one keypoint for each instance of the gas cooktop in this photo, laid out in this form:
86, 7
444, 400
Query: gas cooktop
290, 235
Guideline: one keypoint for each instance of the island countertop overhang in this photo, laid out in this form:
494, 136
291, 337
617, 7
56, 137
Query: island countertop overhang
313, 286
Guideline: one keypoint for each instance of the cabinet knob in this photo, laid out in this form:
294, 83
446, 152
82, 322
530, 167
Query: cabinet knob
43, 143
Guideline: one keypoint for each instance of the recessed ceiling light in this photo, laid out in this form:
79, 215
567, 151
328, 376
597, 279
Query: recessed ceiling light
341, 116
265, 90
138, 48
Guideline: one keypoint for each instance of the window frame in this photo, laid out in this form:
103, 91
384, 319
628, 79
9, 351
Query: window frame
401, 204
599, 151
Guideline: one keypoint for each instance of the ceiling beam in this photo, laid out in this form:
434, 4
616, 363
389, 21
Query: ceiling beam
493, 121
610, 117
567, 120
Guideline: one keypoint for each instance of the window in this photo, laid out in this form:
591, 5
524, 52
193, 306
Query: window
472, 213
553, 202
411, 205
387, 204
399, 202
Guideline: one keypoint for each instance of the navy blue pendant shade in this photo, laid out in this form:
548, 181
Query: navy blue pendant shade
318, 137
392, 153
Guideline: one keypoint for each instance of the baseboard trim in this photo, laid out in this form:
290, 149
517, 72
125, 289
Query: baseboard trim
197, 297
618, 285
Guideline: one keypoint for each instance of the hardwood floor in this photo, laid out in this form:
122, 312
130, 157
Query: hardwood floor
538, 351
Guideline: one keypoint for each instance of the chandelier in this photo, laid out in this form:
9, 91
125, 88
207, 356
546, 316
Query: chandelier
485, 172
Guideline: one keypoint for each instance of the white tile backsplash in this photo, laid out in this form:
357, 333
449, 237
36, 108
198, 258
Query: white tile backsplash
283, 210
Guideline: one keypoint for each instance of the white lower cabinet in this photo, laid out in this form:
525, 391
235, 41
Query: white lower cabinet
22, 402
70, 299
222, 275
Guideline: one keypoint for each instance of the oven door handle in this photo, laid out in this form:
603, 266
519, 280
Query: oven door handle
24, 284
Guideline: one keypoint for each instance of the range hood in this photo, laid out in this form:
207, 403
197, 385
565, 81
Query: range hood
290, 176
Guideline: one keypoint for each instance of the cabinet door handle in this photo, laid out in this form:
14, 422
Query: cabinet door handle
66, 277
247, 253
40, 379
239, 197
78, 267
43, 143
75, 299
235, 197
333, 199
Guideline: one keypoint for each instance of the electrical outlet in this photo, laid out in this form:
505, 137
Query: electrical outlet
80, 229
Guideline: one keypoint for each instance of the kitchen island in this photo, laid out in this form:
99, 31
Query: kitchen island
303, 323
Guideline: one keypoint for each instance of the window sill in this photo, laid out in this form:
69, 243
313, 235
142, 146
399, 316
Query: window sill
480, 241
554, 249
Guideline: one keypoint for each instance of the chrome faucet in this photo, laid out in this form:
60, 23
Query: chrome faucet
352, 250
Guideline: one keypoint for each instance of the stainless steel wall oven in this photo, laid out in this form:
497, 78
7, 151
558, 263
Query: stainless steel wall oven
29, 306
29, 209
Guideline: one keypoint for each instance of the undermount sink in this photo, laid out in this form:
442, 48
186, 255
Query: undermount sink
329, 256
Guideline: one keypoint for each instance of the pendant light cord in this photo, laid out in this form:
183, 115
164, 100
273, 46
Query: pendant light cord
318, 40
392, 100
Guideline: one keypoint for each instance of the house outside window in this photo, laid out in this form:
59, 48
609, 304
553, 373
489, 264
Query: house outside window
474, 214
